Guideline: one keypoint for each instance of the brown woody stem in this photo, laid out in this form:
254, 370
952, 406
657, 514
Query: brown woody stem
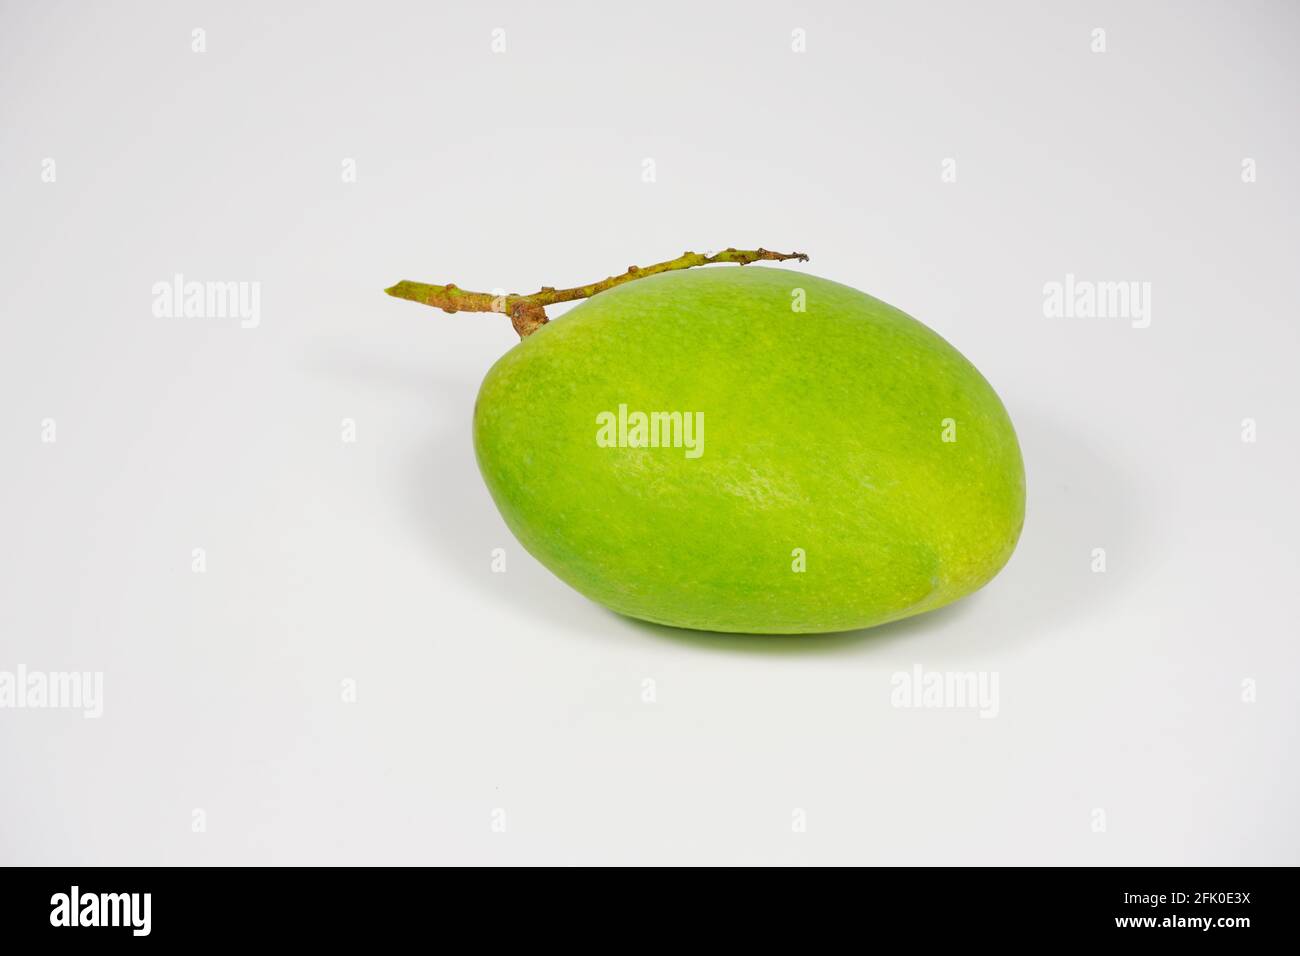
528, 312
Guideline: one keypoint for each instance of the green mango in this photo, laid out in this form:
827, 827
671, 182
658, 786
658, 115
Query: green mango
829, 468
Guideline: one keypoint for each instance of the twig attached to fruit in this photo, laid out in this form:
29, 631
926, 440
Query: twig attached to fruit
528, 312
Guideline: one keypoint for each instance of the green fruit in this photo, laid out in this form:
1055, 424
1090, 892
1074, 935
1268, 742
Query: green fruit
853, 468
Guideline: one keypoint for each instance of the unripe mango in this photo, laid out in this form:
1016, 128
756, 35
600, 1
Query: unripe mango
752, 450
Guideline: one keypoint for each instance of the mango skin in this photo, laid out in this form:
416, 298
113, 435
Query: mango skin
823, 432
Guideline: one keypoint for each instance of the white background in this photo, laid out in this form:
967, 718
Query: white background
1120, 692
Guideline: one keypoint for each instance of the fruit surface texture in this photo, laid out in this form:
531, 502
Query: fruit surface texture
694, 449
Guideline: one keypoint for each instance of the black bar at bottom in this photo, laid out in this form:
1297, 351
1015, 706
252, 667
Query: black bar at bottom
335, 906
